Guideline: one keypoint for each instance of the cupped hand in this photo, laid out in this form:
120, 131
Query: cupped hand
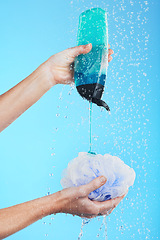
60, 65
76, 202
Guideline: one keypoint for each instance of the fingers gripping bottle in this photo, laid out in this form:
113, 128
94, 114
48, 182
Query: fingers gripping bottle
90, 70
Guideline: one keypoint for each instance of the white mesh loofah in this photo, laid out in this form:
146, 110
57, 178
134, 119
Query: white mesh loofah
86, 167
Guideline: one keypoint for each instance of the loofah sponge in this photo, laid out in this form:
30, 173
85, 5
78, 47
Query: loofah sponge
86, 167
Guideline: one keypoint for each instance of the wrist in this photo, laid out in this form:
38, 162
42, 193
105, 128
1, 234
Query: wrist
52, 204
46, 76
48, 71
60, 201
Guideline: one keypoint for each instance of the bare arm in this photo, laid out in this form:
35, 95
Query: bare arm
15, 218
19, 98
71, 200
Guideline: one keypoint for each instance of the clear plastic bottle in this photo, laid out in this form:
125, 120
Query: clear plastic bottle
90, 70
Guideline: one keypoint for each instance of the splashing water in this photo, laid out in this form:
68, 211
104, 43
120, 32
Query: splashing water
84, 222
105, 224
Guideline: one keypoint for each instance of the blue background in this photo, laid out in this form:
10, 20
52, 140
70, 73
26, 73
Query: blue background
36, 148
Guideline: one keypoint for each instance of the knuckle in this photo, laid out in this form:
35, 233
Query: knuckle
81, 48
82, 191
96, 184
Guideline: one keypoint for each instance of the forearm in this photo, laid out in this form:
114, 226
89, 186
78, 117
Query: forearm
17, 217
19, 98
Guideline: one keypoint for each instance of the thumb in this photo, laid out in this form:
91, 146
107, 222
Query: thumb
95, 184
81, 49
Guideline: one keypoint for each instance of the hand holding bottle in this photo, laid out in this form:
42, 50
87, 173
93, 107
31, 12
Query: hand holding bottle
59, 67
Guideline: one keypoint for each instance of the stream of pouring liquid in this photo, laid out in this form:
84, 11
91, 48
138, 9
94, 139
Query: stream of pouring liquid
90, 129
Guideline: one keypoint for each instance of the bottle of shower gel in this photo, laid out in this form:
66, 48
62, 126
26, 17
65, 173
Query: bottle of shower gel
90, 70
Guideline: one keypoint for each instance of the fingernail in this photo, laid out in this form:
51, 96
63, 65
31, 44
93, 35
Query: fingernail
103, 179
88, 45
